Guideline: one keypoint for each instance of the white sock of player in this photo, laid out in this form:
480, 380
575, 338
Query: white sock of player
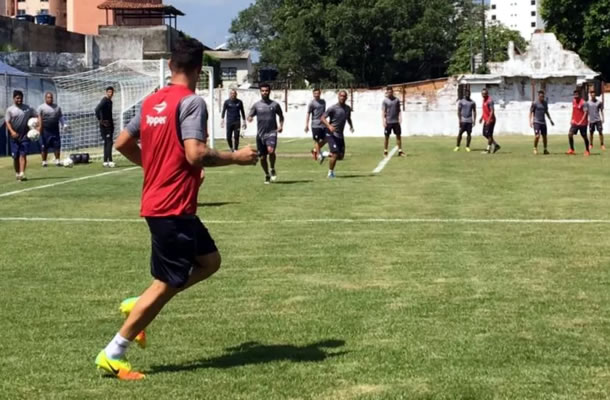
488, 147
325, 153
117, 347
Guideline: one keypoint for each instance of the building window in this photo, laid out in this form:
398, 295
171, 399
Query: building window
493, 17
493, 6
533, 2
229, 74
533, 13
533, 24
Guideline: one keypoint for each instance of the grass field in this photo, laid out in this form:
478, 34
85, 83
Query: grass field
446, 276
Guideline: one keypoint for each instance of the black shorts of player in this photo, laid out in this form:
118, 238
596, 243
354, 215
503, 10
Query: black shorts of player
336, 145
233, 127
488, 129
582, 129
465, 127
540, 129
593, 126
176, 243
262, 144
396, 128
319, 134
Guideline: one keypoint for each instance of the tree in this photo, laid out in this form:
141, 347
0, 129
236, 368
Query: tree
469, 41
584, 27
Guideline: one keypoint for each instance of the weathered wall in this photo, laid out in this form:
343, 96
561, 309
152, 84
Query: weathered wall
26, 36
134, 43
46, 63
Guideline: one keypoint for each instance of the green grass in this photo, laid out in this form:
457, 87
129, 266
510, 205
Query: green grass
314, 310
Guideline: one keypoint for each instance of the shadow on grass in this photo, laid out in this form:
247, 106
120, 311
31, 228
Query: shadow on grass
46, 178
352, 176
250, 353
217, 203
292, 182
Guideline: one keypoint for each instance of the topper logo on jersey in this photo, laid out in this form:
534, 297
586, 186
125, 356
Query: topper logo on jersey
156, 121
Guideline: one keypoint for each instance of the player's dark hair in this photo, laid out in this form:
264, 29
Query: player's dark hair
541, 92
264, 85
187, 55
577, 92
110, 88
17, 93
317, 89
343, 91
389, 88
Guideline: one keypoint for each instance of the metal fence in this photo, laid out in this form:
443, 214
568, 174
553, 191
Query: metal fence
33, 88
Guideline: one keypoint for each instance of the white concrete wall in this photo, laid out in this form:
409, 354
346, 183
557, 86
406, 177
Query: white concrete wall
517, 15
425, 115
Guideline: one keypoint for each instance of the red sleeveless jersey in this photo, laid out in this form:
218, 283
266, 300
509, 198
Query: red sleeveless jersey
487, 111
578, 112
171, 184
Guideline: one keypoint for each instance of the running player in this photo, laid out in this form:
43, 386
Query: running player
103, 112
233, 108
334, 119
49, 119
488, 119
392, 121
17, 117
315, 110
538, 113
467, 116
171, 128
265, 111
580, 117
596, 119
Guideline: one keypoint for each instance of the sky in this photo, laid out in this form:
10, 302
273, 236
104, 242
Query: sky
208, 20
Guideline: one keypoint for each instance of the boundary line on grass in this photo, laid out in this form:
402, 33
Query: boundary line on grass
385, 161
333, 220
82, 178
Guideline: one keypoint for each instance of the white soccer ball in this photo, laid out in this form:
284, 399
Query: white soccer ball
33, 123
33, 134
68, 163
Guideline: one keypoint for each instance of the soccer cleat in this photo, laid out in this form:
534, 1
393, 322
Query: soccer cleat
497, 147
118, 368
401, 154
486, 152
467, 149
321, 158
456, 149
111, 164
105, 164
570, 152
546, 152
385, 153
587, 153
58, 163
331, 174
273, 176
23, 178
267, 179
603, 147
45, 164
535, 151
125, 308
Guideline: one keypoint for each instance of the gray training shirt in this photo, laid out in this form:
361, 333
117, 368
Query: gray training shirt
316, 108
193, 117
265, 112
18, 118
391, 109
51, 115
338, 115
594, 109
540, 109
465, 108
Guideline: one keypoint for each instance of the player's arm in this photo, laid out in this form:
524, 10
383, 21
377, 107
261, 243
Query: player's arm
459, 112
585, 115
127, 145
546, 111
601, 112
328, 126
11, 131
280, 114
531, 118
307, 116
242, 111
223, 113
492, 115
399, 112
39, 121
200, 155
349, 121
252, 113
383, 115
474, 115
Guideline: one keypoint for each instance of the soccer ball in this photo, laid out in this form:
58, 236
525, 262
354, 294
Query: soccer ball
33, 134
33, 123
68, 163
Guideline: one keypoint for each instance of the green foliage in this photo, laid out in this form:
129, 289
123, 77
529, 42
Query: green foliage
353, 41
210, 61
498, 37
582, 26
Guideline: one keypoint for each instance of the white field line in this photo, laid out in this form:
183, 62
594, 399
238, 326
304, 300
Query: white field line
385, 161
292, 140
333, 220
82, 178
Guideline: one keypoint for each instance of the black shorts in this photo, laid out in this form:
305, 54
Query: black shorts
176, 242
263, 143
336, 144
465, 127
319, 134
596, 126
233, 128
540, 129
582, 129
396, 128
488, 129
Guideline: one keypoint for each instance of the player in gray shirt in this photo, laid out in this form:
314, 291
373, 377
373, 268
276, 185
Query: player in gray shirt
50, 118
335, 119
17, 117
266, 111
467, 116
315, 110
538, 113
391, 116
596, 119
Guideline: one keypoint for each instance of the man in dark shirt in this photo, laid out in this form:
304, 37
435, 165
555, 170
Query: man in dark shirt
467, 117
596, 119
338, 115
538, 113
103, 112
233, 109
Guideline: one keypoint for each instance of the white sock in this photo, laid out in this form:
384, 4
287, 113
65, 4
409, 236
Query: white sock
325, 153
488, 147
117, 347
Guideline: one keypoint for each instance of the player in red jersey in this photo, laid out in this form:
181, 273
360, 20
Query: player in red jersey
580, 117
488, 119
172, 130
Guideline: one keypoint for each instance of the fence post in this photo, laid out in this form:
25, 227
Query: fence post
286, 97
351, 97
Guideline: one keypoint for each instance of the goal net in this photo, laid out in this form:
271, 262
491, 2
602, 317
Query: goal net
78, 95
